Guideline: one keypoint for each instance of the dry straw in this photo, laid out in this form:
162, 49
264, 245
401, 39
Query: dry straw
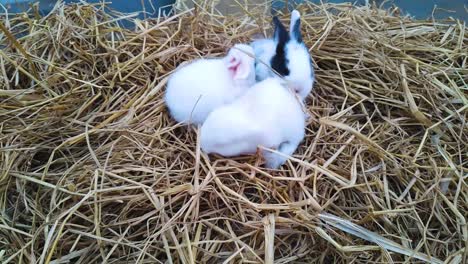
92, 169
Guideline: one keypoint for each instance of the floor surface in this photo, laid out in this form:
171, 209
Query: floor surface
420, 9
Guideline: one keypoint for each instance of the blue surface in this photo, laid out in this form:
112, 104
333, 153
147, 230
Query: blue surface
418, 8
151, 7
424, 8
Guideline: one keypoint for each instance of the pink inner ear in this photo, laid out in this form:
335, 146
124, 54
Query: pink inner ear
233, 66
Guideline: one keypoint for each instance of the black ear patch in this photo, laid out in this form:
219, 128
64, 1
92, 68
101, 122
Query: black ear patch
297, 31
279, 61
280, 35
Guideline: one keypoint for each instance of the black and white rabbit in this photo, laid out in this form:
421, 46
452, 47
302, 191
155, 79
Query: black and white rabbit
287, 55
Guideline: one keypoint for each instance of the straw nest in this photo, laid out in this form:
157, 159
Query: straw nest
93, 170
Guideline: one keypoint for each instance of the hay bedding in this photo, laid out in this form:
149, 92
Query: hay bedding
93, 170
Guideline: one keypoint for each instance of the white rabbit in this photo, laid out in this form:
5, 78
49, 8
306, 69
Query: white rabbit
287, 55
196, 89
268, 114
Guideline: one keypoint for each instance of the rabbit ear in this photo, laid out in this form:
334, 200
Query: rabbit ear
280, 35
238, 65
278, 61
295, 26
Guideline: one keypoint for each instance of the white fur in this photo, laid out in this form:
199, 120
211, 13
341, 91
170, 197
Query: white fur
264, 50
196, 89
301, 74
268, 114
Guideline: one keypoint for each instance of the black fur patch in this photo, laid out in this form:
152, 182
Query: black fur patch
297, 31
279, 60
312, 68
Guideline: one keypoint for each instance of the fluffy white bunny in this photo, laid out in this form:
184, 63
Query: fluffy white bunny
287, 55
196, 89
268, 114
